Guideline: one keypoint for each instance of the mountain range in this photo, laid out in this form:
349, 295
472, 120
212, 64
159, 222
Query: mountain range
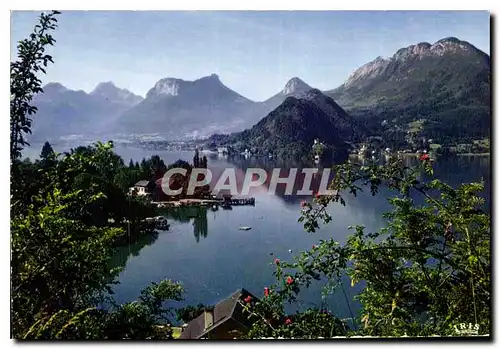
62, 111
446, 85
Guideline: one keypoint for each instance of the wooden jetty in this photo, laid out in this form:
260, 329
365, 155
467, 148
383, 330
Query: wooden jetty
240, 202
224, 203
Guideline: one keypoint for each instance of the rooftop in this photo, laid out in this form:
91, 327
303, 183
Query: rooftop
143, 183
222, 311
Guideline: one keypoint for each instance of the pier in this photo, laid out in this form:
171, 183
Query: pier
225, 202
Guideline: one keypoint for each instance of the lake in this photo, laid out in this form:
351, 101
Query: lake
207, 252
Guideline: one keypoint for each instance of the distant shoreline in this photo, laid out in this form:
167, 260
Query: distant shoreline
455, 154
473, 154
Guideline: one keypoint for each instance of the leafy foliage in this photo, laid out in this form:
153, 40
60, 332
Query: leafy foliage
134, 320
189, 312
24, 82
57, 261
62, 237
427, 271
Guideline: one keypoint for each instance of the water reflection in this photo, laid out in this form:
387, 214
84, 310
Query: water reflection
198, 216
233, 258
313, 184
186, 214
123, 253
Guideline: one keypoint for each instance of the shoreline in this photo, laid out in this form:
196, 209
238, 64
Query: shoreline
205, 202
473, 154
417, 154
187, 202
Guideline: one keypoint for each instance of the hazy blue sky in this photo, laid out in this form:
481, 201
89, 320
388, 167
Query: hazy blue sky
254, 53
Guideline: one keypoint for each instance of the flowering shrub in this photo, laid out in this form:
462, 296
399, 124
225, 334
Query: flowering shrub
424, 157
426, 272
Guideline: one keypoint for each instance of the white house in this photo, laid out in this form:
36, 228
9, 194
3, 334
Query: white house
140, 188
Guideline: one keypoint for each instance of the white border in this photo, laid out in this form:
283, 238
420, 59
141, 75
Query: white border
197, 5
249, 5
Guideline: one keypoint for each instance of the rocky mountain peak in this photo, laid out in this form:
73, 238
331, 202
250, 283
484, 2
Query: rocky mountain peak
54, 87
167, 86
370, 69
295, 85
104, 86
447, 45
173, 86
451, 40
213, 76
110, 91
211, 80
450, 45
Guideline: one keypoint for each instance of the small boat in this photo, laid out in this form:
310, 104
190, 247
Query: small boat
162, 226
244, 228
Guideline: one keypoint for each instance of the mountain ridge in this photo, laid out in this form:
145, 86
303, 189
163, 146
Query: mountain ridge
429, 81
196, 108
444, 86
439, 48
62, 111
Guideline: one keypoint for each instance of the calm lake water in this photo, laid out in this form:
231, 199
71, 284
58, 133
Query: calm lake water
207, 252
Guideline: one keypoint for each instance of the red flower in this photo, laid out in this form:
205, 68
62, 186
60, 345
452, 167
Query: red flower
288, 321
424, 157
266, 291
248, 299
303, 204
289, 280
318, 195
276, 261
314, 246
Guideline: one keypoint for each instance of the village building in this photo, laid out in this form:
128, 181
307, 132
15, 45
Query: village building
142, 188
226, 320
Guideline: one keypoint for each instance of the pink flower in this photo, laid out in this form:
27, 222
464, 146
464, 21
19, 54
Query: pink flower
318, 195
276, 261
288, 321
424, 157
289, 280
248, 299
303, 204
266, 291
314, 247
